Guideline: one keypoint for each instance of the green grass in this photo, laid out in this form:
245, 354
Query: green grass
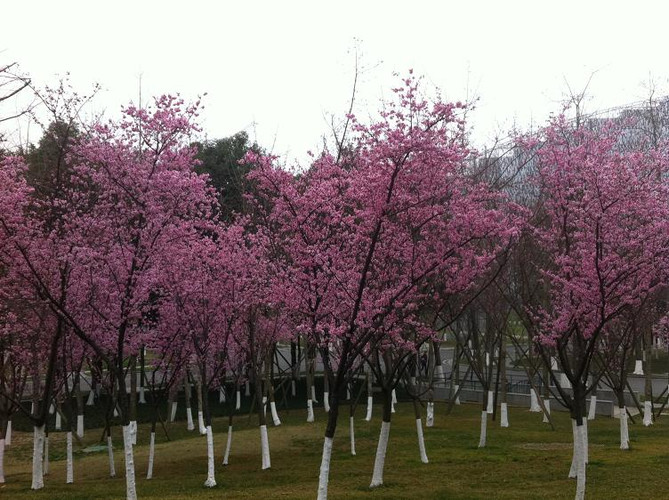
527, 460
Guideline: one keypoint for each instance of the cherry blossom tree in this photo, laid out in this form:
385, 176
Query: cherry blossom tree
366, 234
602, 227
129, 205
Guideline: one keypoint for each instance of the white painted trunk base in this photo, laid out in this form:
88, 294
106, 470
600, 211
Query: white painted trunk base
38, 450
380, 459
69, 475
324, 475
393, 401
484, 429
238, 402
228, 445
370, 403
310, 410
110, 453
326, 401
247, 389
142, 396
91, 398
211, 480
8, 434
624, 430
189, 419
491, 403
264, 406
504, 415
456, 388
421, 441
586, 456
547, 405
115, 412
173, 411
221, 395
59, 422
52, 409
2, 461
264, 447
638, 367
580, 480
152, 453
133, 431
580, 449
200, 423
592, 410
45, 465
351, 432
80, 426
647, 413
429, 420
130, 487
274, 413
534, 401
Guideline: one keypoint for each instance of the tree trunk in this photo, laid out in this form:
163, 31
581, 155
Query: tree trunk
294, 367
351, 430
38, 450
324, 473
579, 431
70, 461
131, 491
429, 419
132, 405
189, 411
152, 450
211, 480
438, 366
200, 410
310, 386
3, 435
504, 411
592, 410
142, 375
419, 432
46, 452
326, 394
2, 460
110, 453
228, 445
370, 397
272, 407
262, 422
79, 397
382, 446
648, 387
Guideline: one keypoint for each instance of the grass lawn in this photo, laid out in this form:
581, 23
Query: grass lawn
525, 461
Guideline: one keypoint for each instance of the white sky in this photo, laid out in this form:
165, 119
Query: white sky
277, 68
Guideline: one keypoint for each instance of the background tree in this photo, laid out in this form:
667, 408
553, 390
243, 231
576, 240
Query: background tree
221, 160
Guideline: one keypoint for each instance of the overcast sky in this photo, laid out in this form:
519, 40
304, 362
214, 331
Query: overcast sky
278, 68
